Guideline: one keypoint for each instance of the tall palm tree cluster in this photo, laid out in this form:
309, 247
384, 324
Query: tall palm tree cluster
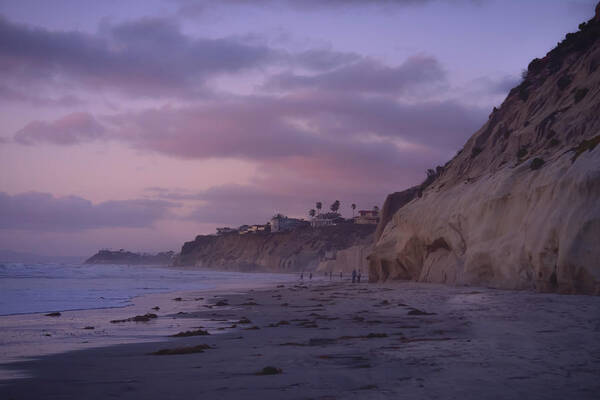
334, 207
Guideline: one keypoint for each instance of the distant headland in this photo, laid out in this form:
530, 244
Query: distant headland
106, 256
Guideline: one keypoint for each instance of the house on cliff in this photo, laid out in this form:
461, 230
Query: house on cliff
367, 217
326, 219
225, 231
255, 229
281, 223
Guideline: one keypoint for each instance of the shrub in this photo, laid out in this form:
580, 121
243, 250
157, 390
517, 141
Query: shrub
535, 66
554, 142
522, 152
524, 91
537, 163
580, 94
475, 152
586, 145
564, 82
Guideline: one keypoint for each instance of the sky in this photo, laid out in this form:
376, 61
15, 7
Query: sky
141, 124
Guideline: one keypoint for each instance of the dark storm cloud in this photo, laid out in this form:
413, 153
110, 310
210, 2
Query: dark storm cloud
44, 212
367, 76
71, 129
150, 57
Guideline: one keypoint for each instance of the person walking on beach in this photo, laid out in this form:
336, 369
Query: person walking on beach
358, 276
353, 276
340, 275
330, 275
310, 276
302, 276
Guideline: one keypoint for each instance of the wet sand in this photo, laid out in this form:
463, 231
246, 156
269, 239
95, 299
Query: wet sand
25, 336
342, 341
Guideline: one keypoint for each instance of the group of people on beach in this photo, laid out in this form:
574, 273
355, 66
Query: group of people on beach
356, 275
302, 276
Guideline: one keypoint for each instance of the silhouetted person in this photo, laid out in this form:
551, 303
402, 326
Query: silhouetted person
340, 275
353, 276
302, 276
310, 276
330, 275
358, 276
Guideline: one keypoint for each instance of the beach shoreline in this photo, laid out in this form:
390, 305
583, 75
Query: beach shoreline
339, 340
28, 336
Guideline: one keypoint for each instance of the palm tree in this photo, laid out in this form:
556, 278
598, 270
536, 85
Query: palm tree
335, 206
312, 212
319, 205
353, 208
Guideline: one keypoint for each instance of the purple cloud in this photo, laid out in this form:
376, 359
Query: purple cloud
195, 8
367, 76
44, 212
9, 94
146, 57
71, 129
353, 140
295, 125
199, 7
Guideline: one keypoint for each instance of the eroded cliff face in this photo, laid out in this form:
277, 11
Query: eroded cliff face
347, 260
298, 250
519, 206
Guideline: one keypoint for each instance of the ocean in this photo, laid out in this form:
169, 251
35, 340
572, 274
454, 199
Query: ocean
41, 288
89, 297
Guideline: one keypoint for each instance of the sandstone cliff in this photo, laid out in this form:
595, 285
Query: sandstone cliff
347, 260
519, 205
293, 251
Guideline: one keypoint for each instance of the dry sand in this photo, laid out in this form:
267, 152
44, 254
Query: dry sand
344, 341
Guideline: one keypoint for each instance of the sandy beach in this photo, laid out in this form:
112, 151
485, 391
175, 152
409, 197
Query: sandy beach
30, 335
337, 340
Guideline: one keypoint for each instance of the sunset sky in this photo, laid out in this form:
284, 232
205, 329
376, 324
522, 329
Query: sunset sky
140, 124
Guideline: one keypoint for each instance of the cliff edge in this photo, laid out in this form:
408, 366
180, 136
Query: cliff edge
519, 206
292, 251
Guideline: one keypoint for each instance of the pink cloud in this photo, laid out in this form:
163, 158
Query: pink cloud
71, 129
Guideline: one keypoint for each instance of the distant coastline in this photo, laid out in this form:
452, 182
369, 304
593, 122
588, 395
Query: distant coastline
129, 258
